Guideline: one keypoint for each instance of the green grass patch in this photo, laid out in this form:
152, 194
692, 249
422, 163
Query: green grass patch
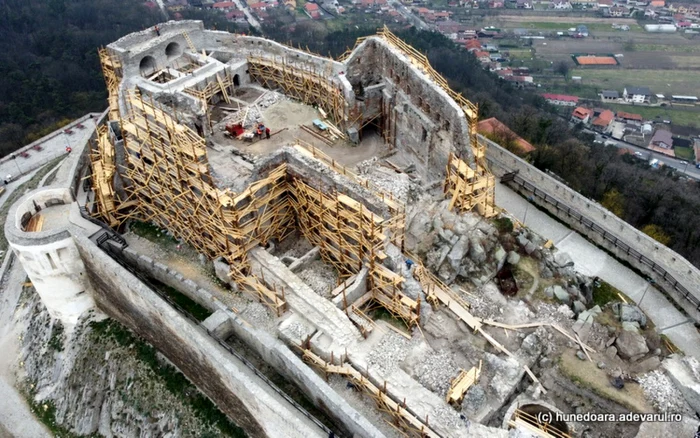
659, 81
685, 153
199, 312
604, 293
173, 379
546, 25
667, 48
503, 225
31, 184
683, 117
587, 375
152, 232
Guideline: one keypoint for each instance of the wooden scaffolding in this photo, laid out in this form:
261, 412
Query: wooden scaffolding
305, 84
168, 182
405, 420
102, 177
112, 72
468, 189
479, 191
212, 86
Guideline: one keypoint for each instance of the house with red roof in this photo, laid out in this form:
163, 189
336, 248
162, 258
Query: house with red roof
582, 115
603, 121
561, 99
482, 55
224, 6
473, 45
312, 10
626, 117
495, 130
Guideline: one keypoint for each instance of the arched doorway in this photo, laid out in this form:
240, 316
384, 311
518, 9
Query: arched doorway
147, 65
236, 81
173, 50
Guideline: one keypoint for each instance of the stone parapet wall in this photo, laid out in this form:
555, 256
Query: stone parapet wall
673, 273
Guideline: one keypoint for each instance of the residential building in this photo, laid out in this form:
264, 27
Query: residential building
312, 10
603, 121
582, 115
662, 139
482, 55
657, 3
497, 131
635, 119
605, 4
473, 45
560, 4
224, 6
523, 4
619, 11
637, 94
610, 95
561, 99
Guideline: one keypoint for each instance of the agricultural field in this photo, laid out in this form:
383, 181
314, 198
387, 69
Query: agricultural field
659, 81
553, 24
684, 117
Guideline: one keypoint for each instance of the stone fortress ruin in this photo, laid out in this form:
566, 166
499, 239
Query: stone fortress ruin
355, 246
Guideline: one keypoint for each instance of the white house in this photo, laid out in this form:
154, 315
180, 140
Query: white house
560, 4
637, 94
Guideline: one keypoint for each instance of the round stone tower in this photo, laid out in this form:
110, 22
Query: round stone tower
37, 229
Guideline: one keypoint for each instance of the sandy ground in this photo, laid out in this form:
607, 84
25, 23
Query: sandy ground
16, 420
284, 119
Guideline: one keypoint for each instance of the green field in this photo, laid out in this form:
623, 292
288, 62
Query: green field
544, 25
684, 153
677, 116
667, 48
659, 81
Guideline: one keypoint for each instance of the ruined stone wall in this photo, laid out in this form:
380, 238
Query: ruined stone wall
423, 118
232, 386
610, 232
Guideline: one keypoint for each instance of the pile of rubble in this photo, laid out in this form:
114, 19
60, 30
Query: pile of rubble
435, 372
390, 353
387, 180
252, 114
320, 277
662, 393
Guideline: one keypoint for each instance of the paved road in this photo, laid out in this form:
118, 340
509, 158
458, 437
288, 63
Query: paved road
409, 16
646, 154
591, 260
51, 148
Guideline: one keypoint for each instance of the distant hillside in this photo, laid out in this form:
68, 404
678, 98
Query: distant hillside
49, 68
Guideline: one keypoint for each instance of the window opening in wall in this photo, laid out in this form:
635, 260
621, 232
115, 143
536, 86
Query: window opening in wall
237, 80
424, 136
51, 262
446, 125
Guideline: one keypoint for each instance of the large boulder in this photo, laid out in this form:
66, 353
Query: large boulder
457, 253
563, 260
631, 344
561, 294
630, 313
476, 251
